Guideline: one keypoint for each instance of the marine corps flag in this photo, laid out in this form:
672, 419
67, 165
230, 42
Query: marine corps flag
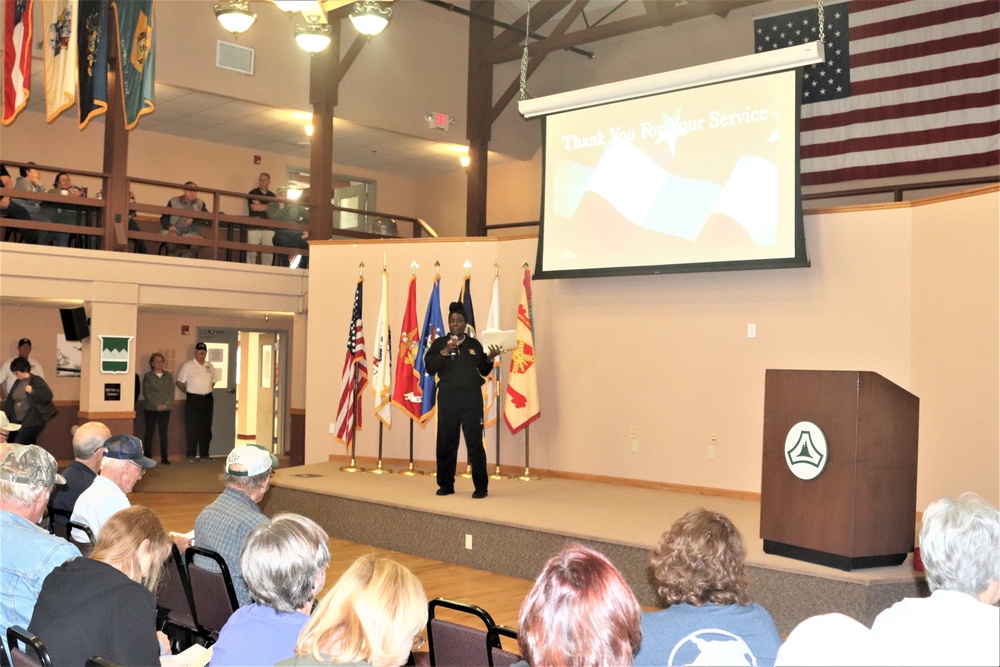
355, 375
59, 49
406, 393
521, 403
136, 49
381, 374
16, 57
92, 59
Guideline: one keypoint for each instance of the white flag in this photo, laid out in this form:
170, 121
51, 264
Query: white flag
381, 375
490, 389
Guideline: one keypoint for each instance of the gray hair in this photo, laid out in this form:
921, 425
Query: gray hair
959, 543
246, 484
88, 438
25, 495
281, 558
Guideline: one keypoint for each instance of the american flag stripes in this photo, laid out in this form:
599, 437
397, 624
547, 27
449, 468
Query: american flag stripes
16, 57
355, 375
910, 87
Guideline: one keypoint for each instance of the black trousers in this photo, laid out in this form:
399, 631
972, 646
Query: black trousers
156, 419
198, 423
459, 409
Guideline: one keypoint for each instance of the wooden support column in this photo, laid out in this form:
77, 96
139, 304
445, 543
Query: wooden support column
115, 147
479, 112
323, 86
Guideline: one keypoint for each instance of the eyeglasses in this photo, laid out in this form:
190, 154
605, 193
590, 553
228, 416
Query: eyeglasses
418, 642
142, 471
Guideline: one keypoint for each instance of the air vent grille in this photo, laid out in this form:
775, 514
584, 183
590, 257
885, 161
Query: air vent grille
235, 57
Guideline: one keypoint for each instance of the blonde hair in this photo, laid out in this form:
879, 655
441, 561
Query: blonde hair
120, 538
372, 613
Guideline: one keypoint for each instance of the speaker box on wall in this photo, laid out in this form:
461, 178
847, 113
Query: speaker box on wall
75, 323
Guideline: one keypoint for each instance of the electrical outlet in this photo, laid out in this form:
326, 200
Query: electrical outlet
714, 439
631, 432
468, 542
711, 453
635, 446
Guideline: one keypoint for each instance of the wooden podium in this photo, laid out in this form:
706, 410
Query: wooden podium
859, 509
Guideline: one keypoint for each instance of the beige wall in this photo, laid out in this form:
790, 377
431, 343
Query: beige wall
669, 355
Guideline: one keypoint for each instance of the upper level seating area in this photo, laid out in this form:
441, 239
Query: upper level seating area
85, 219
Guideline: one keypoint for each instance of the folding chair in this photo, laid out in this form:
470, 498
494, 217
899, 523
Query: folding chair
33, 654
213, 597
455, 645
65, 530
497, 655
174, 607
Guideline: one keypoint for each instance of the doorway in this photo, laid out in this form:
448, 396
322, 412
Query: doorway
251, 402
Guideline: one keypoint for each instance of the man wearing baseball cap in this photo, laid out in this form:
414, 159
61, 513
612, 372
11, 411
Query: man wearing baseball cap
224, 525
124, 464
28, 553
6, 426
7, 377
196, 378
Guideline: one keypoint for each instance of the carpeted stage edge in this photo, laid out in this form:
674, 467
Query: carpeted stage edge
521, 524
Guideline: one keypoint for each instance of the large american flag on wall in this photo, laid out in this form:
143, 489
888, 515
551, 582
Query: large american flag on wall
909, 87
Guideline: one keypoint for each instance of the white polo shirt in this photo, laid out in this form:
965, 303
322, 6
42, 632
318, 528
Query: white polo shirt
198, 378
8, 379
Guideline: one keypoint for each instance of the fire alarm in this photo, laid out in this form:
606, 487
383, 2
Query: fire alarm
438, 121
185, 330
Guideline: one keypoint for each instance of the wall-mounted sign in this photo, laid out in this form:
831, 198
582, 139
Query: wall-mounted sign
115, 354
112, 392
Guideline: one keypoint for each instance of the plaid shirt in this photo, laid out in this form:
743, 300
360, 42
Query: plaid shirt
223, 527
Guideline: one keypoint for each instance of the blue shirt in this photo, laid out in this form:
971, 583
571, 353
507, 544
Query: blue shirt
732, 634
257, 635
27, 555
223, 527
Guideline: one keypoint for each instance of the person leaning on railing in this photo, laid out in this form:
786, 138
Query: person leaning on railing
180, 225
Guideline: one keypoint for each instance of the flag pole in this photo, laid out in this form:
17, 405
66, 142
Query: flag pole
527, 476
496, 473
354, 426
410, 472
379, 470
468, 466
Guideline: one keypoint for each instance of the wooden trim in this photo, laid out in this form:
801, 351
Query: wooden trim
297, 411
401, 464
94, 416
244, 436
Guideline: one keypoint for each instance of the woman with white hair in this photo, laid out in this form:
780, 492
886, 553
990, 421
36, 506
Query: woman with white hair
959, 624
284, 562
371, 616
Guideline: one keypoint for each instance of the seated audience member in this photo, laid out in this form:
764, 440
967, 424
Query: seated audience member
831, 639
182, 225
133, 226
28, 553
122, 467
10, 208
224, 525
88, 448
66, 214
6, 427
579, 612
284, 563
104, 605
700, 567
959, 624
29, 402
31, 181
290, 238
371, 616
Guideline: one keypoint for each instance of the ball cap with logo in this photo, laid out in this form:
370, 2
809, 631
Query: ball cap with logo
126, 447
201, 346
6, 425
32, 465
254, 459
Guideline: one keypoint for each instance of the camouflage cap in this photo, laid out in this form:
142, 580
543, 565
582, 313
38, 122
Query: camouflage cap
30, 464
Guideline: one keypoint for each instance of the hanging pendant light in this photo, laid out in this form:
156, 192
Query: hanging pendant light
235, 16
370, 18
294, 6
314, 36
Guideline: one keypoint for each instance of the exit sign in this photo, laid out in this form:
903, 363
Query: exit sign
439, 121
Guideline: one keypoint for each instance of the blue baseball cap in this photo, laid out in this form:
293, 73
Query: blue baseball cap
126, 447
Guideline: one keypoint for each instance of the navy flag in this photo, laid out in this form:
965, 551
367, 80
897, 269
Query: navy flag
93, 59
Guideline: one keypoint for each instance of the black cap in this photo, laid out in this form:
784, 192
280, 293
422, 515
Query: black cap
24, 341
201, 346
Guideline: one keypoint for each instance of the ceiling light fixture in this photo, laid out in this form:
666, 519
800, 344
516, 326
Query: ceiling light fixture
370, 18
314, 36
235, 16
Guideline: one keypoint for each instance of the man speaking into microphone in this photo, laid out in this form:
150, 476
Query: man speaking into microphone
460, 364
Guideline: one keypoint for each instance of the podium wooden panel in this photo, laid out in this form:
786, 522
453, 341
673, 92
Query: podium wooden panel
860, 510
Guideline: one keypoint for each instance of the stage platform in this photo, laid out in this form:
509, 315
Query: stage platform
521, 524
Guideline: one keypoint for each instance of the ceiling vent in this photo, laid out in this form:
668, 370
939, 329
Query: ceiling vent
235, 57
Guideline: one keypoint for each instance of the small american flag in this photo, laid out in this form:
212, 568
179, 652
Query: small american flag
355, 375
909, 87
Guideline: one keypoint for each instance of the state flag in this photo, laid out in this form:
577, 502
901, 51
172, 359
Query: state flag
59, 55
